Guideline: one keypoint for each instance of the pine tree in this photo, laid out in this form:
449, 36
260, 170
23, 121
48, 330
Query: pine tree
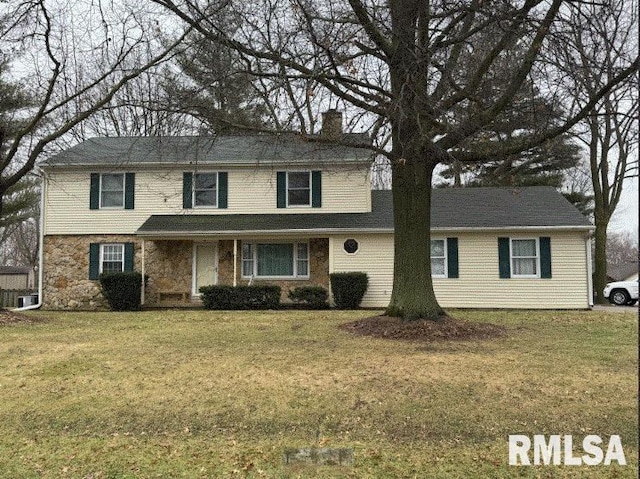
17, 201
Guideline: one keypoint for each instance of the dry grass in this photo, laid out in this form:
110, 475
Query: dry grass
202, 394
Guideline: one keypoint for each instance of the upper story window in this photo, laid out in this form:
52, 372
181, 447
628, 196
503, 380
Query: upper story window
112, 191
298, 188
205, 189
438, 258
524, 258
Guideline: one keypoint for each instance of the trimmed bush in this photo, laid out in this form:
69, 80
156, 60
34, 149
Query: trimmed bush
122, 290
240, 297
314, 297
348, 289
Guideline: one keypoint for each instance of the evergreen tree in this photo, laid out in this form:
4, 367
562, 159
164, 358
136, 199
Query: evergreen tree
214, 86
529, 113
17, 201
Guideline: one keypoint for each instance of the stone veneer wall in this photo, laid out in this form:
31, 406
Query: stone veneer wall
318, 267
66, 284
169, 265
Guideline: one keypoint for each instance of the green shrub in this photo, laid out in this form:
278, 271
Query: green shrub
348, 289
122, 290
240, 297
314, 297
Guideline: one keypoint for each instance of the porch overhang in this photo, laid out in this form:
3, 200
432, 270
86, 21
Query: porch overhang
158, 227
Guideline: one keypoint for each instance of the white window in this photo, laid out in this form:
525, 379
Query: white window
302, 259
275, 260
247, 260
525, 258
112, 190
111, 258
438, 258
298, 188
205, 189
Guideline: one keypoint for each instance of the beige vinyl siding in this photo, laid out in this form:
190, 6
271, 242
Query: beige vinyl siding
374, 256
159, 191
479, 284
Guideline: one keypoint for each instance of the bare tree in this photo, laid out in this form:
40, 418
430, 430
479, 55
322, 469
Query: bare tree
592, 57
401, 63
74, 59
622, 248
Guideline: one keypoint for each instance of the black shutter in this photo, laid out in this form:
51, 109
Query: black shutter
94, 261
316, 189
94, 192
223, 189
187, 190
545, 257
452, 258
128, 256
281, 186
129, 190
504, 260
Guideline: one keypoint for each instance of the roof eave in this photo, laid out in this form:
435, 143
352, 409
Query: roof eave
157, 234
204, 164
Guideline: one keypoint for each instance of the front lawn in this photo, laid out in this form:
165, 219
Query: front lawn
223, 394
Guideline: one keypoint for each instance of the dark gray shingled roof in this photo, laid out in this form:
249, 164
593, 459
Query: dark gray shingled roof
221, 149
452, 208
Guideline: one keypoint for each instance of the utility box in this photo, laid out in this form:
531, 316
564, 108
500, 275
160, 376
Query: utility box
29, 300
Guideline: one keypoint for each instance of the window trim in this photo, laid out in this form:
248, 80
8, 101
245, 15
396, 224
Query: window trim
445, 256
193, 189
101, 190
254, 260
512, 257
310, 203
101, 259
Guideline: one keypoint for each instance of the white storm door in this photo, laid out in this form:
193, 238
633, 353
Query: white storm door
205, 266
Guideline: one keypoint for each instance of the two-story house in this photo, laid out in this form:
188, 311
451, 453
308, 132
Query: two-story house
195, 211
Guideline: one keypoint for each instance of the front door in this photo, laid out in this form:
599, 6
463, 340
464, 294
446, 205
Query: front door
205, 266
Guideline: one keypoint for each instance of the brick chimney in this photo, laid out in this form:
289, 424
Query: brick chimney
331, 125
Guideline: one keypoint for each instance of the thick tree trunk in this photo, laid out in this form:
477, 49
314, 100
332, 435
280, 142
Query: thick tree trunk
414, 159
412, 296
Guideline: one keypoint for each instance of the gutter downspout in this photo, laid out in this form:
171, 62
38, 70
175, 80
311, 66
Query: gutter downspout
40, 251
142, 292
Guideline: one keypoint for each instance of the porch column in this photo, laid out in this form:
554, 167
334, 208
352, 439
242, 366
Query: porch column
235, 262
142, 268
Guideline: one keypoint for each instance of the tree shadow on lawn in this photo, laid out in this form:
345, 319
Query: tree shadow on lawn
446, 329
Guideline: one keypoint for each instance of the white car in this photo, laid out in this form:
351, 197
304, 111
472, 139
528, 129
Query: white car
622, 292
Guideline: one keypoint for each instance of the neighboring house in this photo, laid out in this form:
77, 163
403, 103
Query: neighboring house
194, 211
16, 277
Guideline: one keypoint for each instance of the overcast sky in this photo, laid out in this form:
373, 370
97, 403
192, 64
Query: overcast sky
626, 216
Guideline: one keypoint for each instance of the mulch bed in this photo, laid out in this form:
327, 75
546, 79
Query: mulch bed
10, 317
446, 329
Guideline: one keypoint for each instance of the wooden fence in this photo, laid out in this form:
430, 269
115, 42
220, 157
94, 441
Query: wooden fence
9, 297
